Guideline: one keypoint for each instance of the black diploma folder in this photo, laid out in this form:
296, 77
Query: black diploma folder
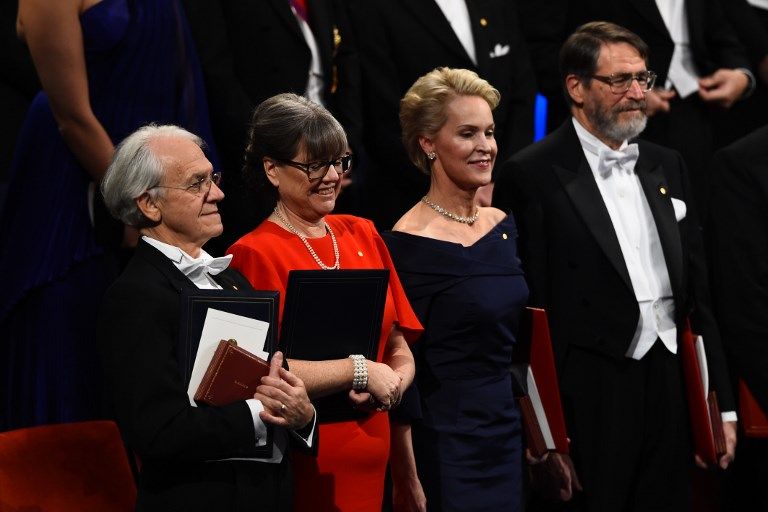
330, 314
259, 305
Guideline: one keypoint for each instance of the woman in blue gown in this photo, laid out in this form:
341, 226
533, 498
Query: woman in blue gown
107, 67
459, 438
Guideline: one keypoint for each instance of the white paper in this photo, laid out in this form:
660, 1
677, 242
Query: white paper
219, 325
538, 409
702, 358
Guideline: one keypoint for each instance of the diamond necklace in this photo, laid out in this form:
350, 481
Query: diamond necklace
445, 213
309, 247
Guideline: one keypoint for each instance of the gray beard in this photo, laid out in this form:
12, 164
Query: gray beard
608, 124
628, 130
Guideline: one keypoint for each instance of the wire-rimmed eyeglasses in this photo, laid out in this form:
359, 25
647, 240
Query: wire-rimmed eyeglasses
317, 170
621, 82
203, 185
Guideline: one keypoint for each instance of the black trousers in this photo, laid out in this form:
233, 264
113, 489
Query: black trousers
630, 432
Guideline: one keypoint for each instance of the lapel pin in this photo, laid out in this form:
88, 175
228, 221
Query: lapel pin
483, 22
504, 236
663, 190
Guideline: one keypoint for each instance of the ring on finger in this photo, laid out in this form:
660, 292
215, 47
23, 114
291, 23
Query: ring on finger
282, 407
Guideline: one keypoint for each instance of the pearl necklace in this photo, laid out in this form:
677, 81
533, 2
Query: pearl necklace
309, 247
445, 213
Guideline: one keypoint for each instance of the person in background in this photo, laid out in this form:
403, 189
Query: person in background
459, 444
191, 458
611, 247
106, 68
299, 151
738, 243
749, 19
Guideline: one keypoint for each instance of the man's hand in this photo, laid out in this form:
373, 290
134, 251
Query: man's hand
729, 429
555, 478
724, 87
657, 100
284, 397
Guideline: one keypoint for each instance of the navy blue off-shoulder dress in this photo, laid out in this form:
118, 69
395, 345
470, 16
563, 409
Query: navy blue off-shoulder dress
465, 425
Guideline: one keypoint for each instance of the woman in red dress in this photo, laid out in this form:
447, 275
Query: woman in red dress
298, 150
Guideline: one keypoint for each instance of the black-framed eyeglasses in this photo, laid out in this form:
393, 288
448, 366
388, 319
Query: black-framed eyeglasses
203, 185
621, 82
317, 170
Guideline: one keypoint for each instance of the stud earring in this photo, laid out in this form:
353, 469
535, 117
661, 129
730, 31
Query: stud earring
431, 155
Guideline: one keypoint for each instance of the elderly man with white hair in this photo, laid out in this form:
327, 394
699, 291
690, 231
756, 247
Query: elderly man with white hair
192, 458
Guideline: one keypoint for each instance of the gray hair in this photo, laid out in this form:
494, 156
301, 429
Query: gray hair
581, 51
135, 169
284, 123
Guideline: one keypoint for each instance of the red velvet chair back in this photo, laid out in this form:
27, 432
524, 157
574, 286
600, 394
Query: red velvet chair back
79, 467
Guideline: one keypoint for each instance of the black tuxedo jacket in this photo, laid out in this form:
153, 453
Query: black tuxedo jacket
251, 50
738, 240
138, 329
401, 40
573, 261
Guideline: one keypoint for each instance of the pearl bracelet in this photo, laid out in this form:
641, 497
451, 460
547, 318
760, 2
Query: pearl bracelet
360, 378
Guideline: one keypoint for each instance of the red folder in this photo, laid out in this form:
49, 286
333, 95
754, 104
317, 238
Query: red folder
752, 417
543, 385
707, 425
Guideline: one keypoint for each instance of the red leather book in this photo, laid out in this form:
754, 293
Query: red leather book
543, 384
708, 438
752, 417
534, 440
232, 375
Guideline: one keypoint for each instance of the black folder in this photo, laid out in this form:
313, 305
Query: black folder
259, 305
330, 314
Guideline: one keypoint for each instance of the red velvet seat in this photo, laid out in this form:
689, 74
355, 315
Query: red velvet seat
79, 467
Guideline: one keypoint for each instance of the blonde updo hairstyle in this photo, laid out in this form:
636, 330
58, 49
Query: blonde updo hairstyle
422, 109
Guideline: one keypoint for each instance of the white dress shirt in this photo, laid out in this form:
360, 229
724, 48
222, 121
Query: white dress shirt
190, 266
682, 71
760, 4
640, 246
457, 14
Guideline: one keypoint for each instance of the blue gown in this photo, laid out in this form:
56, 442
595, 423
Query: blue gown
141, 68
465, 425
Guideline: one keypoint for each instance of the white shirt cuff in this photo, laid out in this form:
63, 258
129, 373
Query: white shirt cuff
729, 416
258, 425
310, 438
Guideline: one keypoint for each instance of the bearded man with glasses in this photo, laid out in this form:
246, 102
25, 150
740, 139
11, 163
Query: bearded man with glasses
611, 245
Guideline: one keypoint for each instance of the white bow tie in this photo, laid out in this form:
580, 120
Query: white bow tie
625, 159
204, 265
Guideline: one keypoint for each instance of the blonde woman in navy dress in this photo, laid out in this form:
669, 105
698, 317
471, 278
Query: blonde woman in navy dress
458, 445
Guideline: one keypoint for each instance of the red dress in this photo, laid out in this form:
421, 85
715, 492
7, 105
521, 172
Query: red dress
348, 472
